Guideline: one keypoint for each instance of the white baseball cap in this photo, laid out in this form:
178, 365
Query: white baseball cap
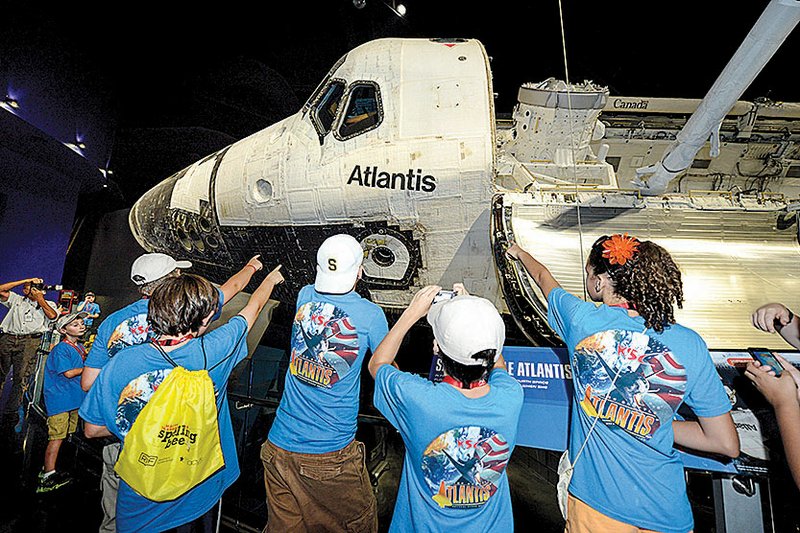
150, 267
338, 260
466, 325
65, 320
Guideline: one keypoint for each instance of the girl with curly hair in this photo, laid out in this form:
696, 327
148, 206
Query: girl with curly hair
632, 367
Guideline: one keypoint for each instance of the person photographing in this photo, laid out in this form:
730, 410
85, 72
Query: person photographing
458, 434
180, 312
29, 315
781, 392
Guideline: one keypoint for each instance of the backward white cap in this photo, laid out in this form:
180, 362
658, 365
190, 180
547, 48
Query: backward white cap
338, 260
150, 267
466, 325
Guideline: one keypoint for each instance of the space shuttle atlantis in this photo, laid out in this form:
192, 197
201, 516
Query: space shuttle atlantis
399, 146
396, 147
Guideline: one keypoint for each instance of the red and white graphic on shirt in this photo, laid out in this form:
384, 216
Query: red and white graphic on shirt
629, 380
324, 344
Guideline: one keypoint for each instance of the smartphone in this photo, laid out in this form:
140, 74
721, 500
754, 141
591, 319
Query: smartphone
766, 358
443, 295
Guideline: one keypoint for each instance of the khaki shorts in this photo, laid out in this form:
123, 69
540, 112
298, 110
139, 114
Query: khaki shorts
62, 424
583, 519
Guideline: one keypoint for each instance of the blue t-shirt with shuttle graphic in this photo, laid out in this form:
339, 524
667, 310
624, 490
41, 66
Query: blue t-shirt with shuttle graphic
631, 381
457, 448
125, 386
331, 334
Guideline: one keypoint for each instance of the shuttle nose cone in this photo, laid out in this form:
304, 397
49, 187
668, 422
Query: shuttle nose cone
149, 216
158, 227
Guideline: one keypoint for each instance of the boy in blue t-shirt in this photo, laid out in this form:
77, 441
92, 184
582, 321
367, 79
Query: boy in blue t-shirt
128, 327
62, 395
458, 434
314, 470
91, 308
127, 383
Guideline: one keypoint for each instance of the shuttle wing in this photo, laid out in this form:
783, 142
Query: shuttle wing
735, 253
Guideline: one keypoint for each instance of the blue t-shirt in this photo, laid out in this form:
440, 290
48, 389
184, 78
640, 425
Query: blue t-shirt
629, 469
330, 335
92, 308
126, 327
124, 387
62, 394
457, 449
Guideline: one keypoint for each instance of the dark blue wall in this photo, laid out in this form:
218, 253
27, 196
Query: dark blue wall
37, 210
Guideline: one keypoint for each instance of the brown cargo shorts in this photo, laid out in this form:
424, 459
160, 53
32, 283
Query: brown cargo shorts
318, 492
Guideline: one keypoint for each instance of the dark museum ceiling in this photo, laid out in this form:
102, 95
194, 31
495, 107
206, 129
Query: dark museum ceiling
172, 85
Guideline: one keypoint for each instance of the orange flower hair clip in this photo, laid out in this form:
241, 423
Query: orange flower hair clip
619, 249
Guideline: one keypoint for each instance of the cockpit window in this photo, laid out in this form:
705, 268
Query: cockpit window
323, 84
364, 110
324, 110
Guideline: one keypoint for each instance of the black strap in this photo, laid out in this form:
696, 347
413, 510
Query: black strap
235, 347
175, 365
164, 354
203, 348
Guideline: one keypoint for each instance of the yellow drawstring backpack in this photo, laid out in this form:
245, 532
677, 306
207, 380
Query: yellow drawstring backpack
173, 445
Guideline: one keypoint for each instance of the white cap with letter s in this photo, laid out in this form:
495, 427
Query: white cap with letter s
338, 261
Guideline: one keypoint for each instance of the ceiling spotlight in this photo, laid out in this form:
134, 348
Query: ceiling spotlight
81, 146
75, 148
359, 4
397, 9
9, 104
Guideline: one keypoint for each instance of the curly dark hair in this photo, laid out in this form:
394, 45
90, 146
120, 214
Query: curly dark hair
650, 281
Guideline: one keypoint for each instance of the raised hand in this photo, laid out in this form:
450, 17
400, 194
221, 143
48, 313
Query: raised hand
275, 276
790, 369
764, 317
459, 289
422, 301
778, 391
513, 251
255, 262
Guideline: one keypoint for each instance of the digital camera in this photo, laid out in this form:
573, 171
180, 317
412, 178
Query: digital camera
443, 295
43, 287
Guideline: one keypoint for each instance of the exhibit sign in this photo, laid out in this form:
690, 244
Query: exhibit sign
754, 419
545, 376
